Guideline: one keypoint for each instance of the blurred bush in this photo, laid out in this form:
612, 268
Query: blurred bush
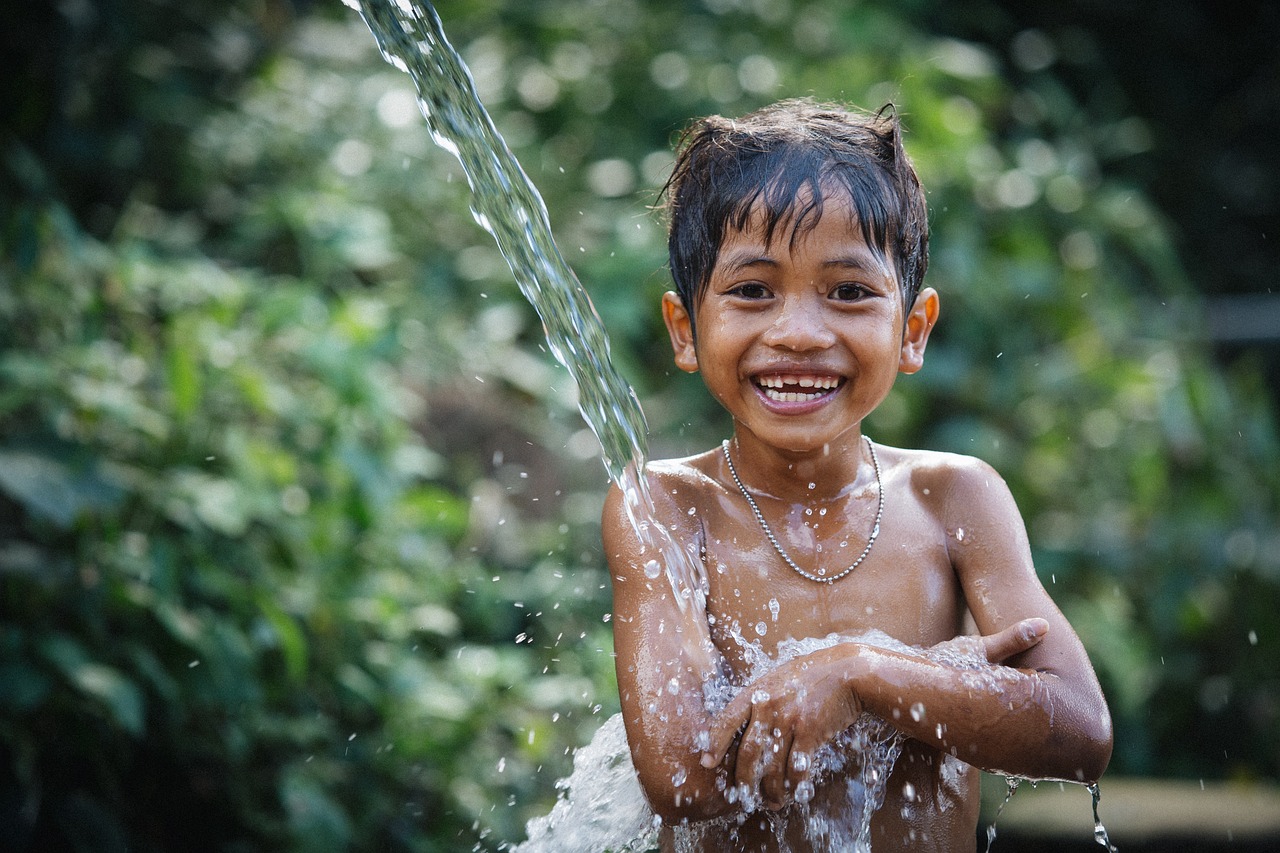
298, 536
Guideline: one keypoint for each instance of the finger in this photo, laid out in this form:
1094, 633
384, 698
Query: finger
799, 773
725, 726
1017, 638
774, 785
750, 761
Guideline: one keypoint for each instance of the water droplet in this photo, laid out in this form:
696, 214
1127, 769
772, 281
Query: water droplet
678, 778
673, 686
800, 761
1253, 638
909, 792
652, 569
759, 696
959, 534
822, 511
774, 607
804, 791
917, 711
762, 628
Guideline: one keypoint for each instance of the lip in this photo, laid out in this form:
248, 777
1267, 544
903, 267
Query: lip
796, 390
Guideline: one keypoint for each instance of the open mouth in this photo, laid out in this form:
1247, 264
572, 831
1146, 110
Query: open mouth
797, 388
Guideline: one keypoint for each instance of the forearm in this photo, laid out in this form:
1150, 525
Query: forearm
1020, 722
665, 665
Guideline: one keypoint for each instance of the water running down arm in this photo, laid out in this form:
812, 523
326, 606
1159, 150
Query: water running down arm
664, 657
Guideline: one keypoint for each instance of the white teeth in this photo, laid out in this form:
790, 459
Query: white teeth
789, 397
777, 381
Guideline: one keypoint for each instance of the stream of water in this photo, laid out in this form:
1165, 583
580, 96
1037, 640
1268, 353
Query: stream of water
507, 205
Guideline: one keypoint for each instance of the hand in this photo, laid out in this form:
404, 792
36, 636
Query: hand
1003, 644
780, 721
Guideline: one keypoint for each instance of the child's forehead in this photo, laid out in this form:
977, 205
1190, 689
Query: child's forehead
789, 223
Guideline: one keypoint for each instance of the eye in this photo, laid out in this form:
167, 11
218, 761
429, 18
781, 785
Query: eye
848, 292
750, 290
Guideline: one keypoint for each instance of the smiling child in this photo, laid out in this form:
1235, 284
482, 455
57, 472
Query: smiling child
798, 245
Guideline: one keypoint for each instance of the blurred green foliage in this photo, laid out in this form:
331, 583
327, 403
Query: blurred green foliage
298, 524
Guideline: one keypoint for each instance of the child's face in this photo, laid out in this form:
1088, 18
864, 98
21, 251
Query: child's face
800, 342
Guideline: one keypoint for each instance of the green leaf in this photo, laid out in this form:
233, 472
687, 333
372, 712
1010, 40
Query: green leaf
119, 695
53, 490
293, 643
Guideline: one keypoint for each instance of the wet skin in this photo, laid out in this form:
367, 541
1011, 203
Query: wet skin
800, 341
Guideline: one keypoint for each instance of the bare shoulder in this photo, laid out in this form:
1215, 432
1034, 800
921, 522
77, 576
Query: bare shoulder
675, 487
943, 476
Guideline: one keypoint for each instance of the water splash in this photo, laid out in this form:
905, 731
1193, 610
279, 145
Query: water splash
601, 806
507, 205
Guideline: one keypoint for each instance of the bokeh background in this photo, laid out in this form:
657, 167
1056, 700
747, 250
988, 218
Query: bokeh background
298, 522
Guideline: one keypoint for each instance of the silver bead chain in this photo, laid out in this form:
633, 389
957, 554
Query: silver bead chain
773, 540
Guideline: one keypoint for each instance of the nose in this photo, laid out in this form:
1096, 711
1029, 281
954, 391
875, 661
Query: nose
799, 325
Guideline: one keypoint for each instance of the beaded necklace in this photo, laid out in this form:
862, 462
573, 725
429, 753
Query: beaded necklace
820, 577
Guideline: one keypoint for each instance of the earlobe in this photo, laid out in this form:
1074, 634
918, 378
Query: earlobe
680, 328
920, 322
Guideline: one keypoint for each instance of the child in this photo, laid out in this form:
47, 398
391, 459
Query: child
798, 244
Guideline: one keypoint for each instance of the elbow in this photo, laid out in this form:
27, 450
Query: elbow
1099, 743
687, 795
1090, 751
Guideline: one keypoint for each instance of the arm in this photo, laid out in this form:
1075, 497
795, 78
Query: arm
664, 656
1046, 718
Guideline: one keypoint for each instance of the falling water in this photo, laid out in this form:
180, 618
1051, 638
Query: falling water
507, 205
1099, 831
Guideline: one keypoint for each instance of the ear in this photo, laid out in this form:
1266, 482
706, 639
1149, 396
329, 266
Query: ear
680, 328
920, 322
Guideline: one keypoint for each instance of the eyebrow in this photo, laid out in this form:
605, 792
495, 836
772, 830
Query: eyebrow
741, 259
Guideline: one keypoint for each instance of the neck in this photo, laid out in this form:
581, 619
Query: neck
820, 474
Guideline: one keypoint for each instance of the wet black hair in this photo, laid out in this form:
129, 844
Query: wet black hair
778, 162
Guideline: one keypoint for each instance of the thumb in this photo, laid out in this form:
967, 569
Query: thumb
1015, 639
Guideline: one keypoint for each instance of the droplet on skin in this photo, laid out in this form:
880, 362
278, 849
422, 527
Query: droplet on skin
917, 711
762, 628
652, 569
679, 777
804, 791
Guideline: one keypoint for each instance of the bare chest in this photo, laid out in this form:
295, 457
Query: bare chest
904, 587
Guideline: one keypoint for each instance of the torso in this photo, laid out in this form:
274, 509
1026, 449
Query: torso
905, 588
